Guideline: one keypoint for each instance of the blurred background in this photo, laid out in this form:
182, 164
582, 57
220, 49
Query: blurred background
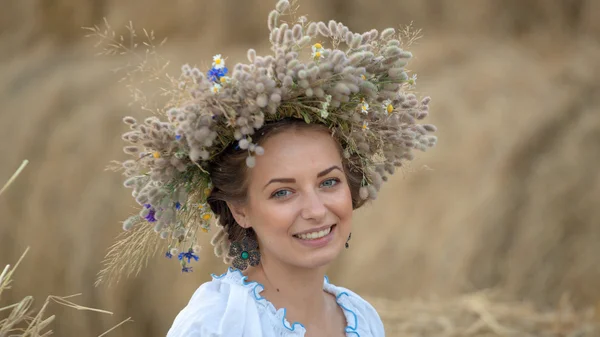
508, 200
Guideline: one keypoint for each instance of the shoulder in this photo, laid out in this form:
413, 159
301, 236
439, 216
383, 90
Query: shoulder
217, 308
360, 314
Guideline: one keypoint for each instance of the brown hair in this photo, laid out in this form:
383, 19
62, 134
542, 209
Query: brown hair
229, 179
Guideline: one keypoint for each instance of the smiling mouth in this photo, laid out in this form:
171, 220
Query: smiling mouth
314, 235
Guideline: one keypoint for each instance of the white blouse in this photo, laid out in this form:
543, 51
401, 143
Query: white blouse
228, 306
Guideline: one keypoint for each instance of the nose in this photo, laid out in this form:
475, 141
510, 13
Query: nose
313, 207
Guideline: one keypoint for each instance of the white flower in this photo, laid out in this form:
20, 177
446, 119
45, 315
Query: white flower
387, 106
218, 62
365, 125
225, 79
413, 80
317, 55
325, 106
317, 51
216, 88
364, 107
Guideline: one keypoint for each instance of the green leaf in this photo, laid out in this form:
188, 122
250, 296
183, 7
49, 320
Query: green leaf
306, 117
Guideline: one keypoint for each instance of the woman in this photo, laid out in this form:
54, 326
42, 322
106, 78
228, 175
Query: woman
280, 153
296, 203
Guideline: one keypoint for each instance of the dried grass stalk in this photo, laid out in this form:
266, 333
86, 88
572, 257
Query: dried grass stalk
25, 321
22, 320
14, 176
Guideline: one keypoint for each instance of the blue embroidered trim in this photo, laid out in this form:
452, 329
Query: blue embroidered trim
257, 296
293, 325
349, 329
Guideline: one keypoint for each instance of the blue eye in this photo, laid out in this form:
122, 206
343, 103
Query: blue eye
280, 194
330, 182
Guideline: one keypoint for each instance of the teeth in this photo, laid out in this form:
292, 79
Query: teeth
314, 235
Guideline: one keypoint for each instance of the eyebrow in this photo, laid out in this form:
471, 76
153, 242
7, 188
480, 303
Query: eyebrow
292, 180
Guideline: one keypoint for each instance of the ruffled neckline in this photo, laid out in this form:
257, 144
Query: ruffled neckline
235, 277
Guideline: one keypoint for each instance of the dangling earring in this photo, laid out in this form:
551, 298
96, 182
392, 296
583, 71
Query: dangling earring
349, 237
245, 252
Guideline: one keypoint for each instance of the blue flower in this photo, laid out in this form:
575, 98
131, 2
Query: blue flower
168, 254
215, 74
178, 137
177, 205
189, 256
150, 217
186, 269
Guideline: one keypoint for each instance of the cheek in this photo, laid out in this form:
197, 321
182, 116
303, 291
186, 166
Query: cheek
272, 219
341, 203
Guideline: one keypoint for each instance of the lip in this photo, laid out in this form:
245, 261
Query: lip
320, 242
318, 229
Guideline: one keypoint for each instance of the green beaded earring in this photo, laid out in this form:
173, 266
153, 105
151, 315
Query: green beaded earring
245, 252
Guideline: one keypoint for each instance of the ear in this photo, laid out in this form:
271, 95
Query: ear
239, 214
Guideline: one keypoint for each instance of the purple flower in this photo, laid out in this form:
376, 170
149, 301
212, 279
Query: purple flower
215, 74
150, 217
189, 256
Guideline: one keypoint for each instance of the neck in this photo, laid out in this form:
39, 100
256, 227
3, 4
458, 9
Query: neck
299, 290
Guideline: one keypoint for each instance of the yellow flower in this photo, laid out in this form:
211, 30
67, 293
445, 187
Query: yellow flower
205, 230
206, 216
207, 191
363, 77
317, 46
156, 155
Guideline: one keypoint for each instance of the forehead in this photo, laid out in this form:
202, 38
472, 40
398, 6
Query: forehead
296, 152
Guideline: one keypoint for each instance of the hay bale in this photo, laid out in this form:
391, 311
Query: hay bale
508, 198
483, 314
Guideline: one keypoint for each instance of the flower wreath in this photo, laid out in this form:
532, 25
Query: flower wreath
358, 87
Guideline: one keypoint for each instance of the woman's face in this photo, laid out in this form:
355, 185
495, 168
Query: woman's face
299, 201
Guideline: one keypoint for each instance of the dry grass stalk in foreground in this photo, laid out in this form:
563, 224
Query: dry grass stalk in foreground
22, 319
482, 314
14, 176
